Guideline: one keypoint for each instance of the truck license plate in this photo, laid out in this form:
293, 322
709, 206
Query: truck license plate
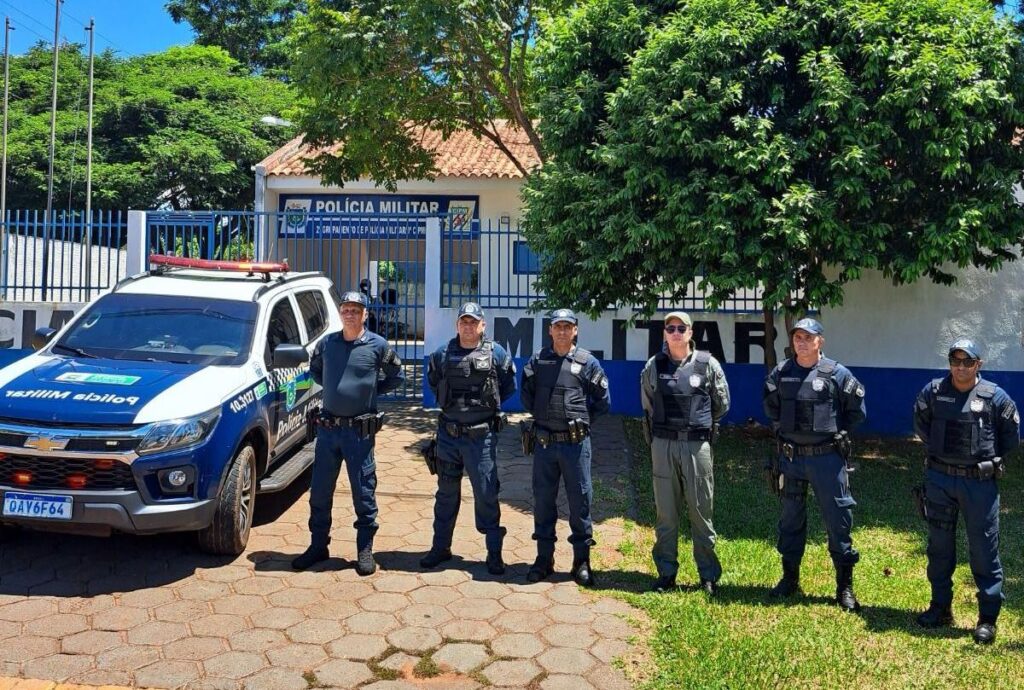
37, 506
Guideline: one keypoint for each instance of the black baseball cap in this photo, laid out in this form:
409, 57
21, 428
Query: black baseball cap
354, 297
812, 326
967, 346
559, 315
471, 309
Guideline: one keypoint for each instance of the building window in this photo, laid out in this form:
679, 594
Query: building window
524, 260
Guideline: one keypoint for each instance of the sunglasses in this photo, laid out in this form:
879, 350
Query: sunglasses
964, 362
674, 328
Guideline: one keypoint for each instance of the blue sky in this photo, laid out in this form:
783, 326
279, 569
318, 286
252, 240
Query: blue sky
129, 27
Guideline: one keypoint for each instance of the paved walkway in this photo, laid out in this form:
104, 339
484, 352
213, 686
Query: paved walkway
151, 612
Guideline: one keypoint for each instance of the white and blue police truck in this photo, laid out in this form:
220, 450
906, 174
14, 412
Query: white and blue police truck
166, 404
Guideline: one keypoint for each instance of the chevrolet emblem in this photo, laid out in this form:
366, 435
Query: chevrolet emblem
46, 443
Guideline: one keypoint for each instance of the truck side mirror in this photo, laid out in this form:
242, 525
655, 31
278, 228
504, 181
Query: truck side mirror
287, 355
42, 337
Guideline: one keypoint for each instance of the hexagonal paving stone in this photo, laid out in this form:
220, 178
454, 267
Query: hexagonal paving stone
460, 656
607, 650
201, 590
315, 631
276, 679
434, 594
608, 678
234, 664
469, 631
566, 635
182, 611
476, 609
224, 573
295, 598
167, 674
396, 583
127, 658
277, 618
57, 625
119, 618
86, 606
217, 624
358, 647
157, 632
512, 673
336, 609
413, 639
239, 604
28, 610
346, 591
371, 623
342, 673
297, 656
147, 598
571, 613
260, 586
608, 625
521, 621
258, 640
194, 648
386, 602
571, 661
517, 645
399, 661
565, 682
522, 601
58, 667
90, 642
483, 590
100, 677
390, 685
424, 615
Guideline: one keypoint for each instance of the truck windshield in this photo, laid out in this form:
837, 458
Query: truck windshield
163, 328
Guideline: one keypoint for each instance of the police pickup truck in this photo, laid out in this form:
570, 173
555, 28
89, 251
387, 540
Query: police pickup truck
167, 403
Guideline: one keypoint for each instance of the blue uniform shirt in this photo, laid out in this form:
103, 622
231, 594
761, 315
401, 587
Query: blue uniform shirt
1007, 419
592, 376
847, 401
354, 373
506, 368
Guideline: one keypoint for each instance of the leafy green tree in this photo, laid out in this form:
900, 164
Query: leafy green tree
251, 31
180, 129
783, 146
371, 74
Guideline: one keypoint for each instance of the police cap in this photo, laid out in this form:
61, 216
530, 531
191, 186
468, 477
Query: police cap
967, 346
812, 326
559, 315
353, 297
472, 309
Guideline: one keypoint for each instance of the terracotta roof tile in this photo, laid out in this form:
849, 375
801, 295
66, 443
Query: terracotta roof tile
461, 155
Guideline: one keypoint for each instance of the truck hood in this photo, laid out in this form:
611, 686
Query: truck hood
48, 388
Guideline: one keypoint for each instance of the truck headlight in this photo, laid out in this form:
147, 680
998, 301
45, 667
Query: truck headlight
178, 433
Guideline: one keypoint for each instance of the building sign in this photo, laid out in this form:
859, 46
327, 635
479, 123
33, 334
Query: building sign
381, 216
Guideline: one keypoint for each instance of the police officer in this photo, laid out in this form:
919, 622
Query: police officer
969, 425
811, 400
565, 389
347, 365
684, 393
470, 376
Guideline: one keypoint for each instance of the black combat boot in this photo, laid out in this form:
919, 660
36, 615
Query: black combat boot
790, 582
495, 564
937, 616
310, 557
435, 557
845, 597
365, 565
985, 630
541, 569
582, 573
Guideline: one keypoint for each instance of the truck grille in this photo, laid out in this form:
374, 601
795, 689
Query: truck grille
64, 473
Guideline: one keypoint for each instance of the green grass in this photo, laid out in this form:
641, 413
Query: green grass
742, 640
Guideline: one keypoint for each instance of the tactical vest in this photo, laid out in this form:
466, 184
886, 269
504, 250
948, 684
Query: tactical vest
682, 398
964, 434
468, 392
807, 405
560, 396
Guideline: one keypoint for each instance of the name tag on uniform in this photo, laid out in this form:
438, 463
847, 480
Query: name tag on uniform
695, 381
818, 385
943, 398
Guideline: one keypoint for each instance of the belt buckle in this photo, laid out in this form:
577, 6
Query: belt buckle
789, 450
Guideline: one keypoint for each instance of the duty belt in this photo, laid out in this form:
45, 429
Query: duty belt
329, 421
971, 471
692, 435
546, 436
457, 430
791, 450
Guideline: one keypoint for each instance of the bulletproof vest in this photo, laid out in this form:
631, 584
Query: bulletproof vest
682, 398
963, 432
807, 403
468, 390
560, 396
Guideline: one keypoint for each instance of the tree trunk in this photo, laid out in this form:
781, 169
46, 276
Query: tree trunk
770, 359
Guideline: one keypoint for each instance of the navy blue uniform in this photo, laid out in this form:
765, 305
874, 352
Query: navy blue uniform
807, 408
557, 389
962, 430
470, 385
353, 374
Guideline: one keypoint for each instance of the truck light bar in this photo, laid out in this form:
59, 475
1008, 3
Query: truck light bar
210, 264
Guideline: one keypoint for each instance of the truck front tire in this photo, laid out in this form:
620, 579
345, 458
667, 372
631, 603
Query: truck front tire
229, 532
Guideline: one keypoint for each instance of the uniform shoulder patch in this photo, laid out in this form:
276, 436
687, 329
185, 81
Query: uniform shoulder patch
860, 391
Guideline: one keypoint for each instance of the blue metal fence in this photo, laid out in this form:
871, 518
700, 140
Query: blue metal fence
226, 235
498, 269
71, 258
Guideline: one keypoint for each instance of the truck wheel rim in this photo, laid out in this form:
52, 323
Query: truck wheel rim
245, 498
